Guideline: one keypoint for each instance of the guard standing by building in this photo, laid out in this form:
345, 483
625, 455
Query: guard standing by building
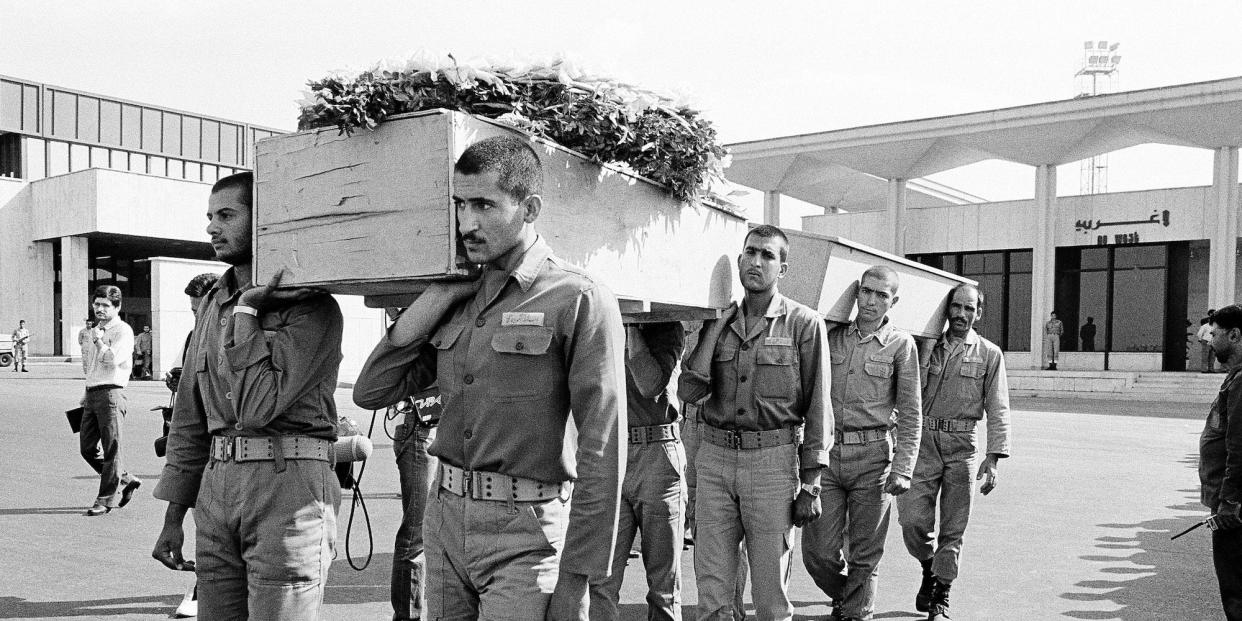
250, 444
653, 496
21, 342
763, 433
1052, 340
875, 382
514, 354
1220, 461
965, 381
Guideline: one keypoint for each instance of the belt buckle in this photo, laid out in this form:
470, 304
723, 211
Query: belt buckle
734, 439
229, 449
467, 482
944, 424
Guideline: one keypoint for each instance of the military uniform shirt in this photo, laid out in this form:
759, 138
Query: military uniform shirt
873, 377
658, 355
512, 363
277, 382
966, 380
773, 376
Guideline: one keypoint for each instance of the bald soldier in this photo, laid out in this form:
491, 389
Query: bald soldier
875, 395
965, 381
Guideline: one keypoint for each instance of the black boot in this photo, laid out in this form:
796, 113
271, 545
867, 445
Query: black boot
1052, 366
922, 601
939, 602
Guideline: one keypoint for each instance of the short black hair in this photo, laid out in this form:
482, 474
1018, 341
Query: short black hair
201, 284
1229, 317
978, 294
243, 180
108, 292
768, 231
513, 160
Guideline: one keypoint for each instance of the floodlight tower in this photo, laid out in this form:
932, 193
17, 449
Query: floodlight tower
1097, 76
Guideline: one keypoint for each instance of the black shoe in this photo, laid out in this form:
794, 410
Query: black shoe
922, 601
939, 609
127, 494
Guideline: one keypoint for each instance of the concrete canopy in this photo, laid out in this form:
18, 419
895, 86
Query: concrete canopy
815, 167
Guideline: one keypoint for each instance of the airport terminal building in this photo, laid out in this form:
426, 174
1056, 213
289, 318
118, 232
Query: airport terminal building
96, 190
1145, 266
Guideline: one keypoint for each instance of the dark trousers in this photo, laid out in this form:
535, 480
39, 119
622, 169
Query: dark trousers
1227, 556
103, 413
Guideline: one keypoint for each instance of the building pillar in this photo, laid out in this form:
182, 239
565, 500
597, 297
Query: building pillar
1223, 258
772, 207
74, 298
1043, 258
897, 216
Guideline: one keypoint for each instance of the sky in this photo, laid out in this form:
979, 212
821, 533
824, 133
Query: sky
757, 70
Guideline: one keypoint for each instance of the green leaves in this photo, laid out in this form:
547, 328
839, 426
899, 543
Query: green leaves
602, 119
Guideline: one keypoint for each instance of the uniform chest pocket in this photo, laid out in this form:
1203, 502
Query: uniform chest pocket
837, 358
523, 370
971, 373
935, 369
522, 340
879, 365
776, 372
446, 336
724, 354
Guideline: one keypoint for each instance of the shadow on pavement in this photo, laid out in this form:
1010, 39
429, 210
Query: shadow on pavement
1149, 572
42, 511
18, 608
349, 586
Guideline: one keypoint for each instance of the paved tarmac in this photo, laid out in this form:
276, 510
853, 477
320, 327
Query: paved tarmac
1078, 528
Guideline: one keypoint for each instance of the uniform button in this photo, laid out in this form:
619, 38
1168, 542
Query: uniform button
741, 411
229, 395
851, 372
745, 346
481, 322
237, 426
469, 434
742, 379
520, 346
469, 379
224, 321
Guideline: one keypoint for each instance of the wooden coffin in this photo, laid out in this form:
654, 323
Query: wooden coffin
824, 272
371, 214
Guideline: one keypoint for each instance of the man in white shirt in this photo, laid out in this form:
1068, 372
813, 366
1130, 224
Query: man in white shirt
1205, 342
107, 357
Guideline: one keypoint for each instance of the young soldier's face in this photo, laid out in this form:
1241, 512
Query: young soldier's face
760, 265
875, 296
228, 224
489, 219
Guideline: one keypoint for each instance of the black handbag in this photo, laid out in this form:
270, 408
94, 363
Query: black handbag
75, 419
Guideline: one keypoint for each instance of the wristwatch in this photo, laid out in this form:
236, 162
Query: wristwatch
813, 490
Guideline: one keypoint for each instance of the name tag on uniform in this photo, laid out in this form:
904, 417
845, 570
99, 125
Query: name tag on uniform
778, 341
521, 319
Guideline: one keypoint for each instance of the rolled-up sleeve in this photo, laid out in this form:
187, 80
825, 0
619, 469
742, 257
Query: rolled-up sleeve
596, 373
816, 371
270, 373
909, 407
996, 404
